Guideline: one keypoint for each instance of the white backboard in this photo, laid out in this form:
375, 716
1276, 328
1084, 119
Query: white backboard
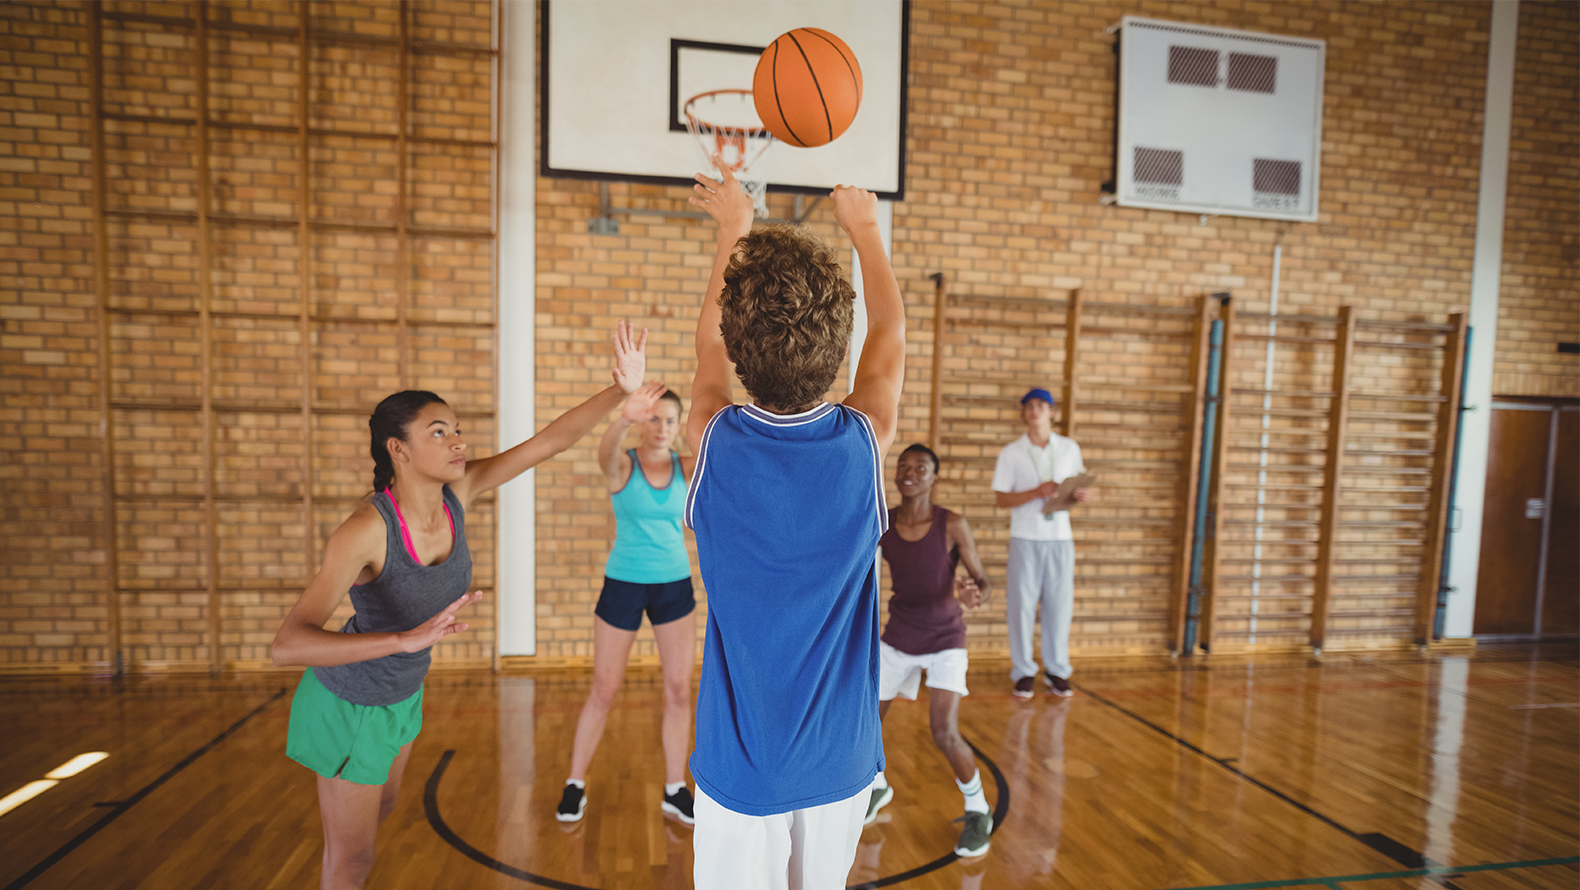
615, 74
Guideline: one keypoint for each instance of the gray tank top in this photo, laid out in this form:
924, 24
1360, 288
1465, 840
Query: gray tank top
403, 596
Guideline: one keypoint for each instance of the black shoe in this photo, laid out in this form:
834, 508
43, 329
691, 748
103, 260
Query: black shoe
1058, 685
572, 805
974, 838
1023, 687
679, 805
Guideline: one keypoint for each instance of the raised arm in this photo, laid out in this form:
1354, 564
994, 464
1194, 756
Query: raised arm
731, 208
881, 372
630, 363
302, 640
612, 459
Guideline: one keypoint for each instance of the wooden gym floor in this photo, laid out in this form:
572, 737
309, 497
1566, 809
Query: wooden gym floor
1362, 772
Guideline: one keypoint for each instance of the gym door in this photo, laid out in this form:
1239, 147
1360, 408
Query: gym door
1528, 584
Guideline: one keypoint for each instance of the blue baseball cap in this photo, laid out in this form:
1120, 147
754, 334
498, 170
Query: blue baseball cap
1037, 392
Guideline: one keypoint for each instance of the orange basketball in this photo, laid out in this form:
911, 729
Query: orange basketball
807, 87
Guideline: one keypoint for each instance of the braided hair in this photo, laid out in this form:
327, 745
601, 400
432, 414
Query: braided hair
389, 421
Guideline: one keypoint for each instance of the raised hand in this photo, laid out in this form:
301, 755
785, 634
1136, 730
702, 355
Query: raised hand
725, 201
630, 357
439, 626
639, 407
854, 207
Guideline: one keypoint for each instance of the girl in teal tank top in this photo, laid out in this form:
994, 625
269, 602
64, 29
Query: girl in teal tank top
648, 570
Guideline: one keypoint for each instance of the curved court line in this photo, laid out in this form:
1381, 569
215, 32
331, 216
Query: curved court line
430, 806
1000, 812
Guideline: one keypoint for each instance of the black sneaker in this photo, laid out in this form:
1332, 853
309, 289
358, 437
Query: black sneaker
1058, 685
679, 805
974, 838
1023, 687
880, 798
572, 805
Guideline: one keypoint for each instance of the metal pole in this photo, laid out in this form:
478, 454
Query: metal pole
101, 287
1445, 589
216, 653
1203, 487
304, 275
939, 298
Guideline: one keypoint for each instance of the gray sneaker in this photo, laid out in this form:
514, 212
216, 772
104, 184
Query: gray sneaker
880, 798
974, 838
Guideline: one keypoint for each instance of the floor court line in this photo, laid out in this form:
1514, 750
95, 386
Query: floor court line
120, 807
1381, 843
1334, 881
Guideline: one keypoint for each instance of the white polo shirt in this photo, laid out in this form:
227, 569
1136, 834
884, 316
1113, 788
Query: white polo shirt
1023, 466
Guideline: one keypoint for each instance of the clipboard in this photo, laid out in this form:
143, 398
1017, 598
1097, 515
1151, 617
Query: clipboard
1065, 499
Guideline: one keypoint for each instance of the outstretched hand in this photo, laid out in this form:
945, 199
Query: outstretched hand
639, 407
439, 626
630, 357
854, 207
725, 201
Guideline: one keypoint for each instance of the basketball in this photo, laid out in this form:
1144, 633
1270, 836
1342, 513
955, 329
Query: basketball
807, 87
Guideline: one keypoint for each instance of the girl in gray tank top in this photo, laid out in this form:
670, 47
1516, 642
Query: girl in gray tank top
403, 558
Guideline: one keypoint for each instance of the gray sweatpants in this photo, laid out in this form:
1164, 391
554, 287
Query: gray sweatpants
1039, 573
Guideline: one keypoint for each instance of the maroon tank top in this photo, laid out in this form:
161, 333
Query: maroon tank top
924, 616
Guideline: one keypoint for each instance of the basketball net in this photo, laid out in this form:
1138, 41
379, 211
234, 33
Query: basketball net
732, 138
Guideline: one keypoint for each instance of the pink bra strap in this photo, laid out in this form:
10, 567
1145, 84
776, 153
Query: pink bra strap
405, 533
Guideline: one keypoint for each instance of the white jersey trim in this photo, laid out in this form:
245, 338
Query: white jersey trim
702, 463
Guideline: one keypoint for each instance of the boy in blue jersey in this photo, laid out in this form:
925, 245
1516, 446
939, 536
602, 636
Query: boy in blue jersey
787, 504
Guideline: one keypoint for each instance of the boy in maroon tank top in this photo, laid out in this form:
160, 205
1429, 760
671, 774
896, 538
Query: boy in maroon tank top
927, 629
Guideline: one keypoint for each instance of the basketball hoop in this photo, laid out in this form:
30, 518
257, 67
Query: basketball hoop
732, 137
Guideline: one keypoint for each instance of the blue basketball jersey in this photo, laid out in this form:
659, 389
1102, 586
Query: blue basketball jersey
787, 511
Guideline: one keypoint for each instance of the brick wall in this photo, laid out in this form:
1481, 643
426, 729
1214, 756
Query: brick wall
374, 324
1024, 92
1539, 294
1011, 125
51, 591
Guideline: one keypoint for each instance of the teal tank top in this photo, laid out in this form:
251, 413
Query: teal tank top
649, 546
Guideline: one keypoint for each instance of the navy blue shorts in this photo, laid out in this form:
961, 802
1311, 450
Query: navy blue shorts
622, 603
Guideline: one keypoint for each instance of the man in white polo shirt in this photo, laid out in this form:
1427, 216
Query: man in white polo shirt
1041, 566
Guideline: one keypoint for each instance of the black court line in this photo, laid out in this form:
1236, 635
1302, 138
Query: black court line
120, 807
1381, 843
430, 805
1000, 812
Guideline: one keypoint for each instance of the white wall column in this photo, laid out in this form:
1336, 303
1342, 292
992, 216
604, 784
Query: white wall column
1486, 269
858, 331
516, 409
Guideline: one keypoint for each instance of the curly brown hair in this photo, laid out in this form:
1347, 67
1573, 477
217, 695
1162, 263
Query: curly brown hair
785, 315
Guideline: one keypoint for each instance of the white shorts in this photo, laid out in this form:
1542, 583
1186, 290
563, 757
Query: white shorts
900, 674
810, 849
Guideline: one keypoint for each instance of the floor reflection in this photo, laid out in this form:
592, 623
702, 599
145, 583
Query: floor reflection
1034, 763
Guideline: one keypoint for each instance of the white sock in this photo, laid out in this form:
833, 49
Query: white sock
976, 801
579, 783
673, 788
879, 781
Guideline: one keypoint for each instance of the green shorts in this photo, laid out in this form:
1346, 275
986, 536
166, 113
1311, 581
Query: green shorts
340, 740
